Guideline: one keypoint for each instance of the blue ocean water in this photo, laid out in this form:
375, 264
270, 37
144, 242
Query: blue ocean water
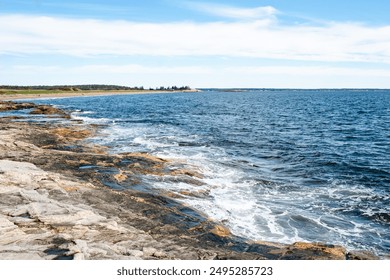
277, 165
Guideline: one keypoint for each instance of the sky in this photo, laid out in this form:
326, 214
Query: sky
202, 44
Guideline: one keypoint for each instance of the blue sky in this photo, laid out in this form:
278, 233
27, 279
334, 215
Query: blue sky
279, 43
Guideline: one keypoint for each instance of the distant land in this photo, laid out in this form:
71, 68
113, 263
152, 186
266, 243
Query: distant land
11, 92
11, 89
38, 91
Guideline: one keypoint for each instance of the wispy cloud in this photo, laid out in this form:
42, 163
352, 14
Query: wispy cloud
87, 7
309, 71
249, 70
21, 34
257, 13
200, 76
81, 6
114, 69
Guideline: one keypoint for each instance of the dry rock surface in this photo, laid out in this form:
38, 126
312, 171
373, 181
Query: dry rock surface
61, 198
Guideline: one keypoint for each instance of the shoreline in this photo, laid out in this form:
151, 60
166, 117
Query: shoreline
21, 96
64, 199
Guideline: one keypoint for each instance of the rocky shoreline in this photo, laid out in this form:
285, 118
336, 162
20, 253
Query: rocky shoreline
64, 198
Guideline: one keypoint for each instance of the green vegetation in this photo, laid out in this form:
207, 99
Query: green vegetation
21, 91
62, 88
77, 88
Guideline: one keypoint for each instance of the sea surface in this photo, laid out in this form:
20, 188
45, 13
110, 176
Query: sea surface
277, 165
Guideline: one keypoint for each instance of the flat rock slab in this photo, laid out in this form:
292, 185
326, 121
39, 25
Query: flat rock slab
50, 225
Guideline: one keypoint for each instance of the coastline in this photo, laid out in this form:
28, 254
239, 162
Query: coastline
62, 198
20, 96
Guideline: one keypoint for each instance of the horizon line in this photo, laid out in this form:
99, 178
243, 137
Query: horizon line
205, 88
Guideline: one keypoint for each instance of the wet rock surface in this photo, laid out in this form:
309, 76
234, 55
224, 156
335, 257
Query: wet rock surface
62, 198
49, 110
11, 106
35, 109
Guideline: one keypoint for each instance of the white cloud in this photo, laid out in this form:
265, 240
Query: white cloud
207, 76
124, 74
20, 34
257, 13
111, 69
251, 70
308, 71
140, 69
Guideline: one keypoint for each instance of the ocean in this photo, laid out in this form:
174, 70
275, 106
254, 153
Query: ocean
275, 165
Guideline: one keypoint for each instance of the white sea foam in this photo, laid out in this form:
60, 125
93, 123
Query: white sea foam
89, 120
252, 209
79, 112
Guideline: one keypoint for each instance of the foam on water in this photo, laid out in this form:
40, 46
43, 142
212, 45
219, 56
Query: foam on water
90, 120
252, 209
258, 211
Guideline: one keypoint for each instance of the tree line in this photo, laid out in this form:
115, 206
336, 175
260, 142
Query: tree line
90, 87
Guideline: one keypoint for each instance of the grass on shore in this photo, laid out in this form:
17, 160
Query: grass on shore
23, 91
50, 91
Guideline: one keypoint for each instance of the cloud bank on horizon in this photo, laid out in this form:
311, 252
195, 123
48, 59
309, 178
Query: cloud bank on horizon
215, 45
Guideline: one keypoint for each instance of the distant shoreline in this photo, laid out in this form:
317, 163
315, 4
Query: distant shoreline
11, 94
60, 94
